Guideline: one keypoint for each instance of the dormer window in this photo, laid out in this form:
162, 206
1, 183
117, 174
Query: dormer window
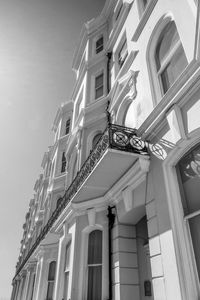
67, 126
122, 55
99, 45
99, 86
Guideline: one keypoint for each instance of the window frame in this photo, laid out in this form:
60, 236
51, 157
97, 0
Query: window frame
67, 270
167, 60
155, 86
188, 275
97, 87
67, 126
50, 281
63, 163
100, 48
94, 264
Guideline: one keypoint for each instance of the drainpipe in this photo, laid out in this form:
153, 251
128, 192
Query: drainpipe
111, 220
109, 55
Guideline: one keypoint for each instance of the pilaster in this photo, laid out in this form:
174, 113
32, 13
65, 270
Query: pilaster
28, 282
14, 290
59, 283
125, 266
21, 286
17, 288
39, 271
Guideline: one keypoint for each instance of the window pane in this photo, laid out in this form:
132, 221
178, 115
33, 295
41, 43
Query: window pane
94, 283
99, 86
174, 69
52, 270
189, 168
95, 247
169, 37
67, 255
99, 81
63, 168
123, 53
189, 182
67, 126
195, 235
99, 92
66, 284
99, 45
50, 290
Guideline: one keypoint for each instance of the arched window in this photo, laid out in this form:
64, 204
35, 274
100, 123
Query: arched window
96, 139
51, 279
94, 263
67, 126
63, 166
188, 170
170, 57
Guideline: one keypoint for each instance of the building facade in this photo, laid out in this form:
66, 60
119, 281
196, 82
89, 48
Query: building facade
116, 211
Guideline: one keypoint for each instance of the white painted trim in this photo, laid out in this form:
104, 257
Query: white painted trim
187, 272
150, 58
83, 260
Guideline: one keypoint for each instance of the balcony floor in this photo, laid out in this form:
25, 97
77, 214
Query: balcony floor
110, 168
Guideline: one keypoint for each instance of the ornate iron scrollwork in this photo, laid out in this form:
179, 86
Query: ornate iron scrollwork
115, 136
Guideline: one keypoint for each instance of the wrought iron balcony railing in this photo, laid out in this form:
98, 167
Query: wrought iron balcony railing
114, 137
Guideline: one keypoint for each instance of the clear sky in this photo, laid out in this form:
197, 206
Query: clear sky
37, 42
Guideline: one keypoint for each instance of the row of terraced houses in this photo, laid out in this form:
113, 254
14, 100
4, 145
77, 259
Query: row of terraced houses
116, 210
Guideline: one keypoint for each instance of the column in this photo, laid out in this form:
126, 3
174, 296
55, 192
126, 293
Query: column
31, 282
125, 266
27, 281
13, 290
17, 288
21, 286
59, 282
40, 270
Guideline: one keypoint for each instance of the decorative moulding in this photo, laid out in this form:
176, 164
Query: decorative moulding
144, 19
91, 216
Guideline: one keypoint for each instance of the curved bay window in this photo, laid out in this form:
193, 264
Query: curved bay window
188, 170
170, 57
94, 264
51, 280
